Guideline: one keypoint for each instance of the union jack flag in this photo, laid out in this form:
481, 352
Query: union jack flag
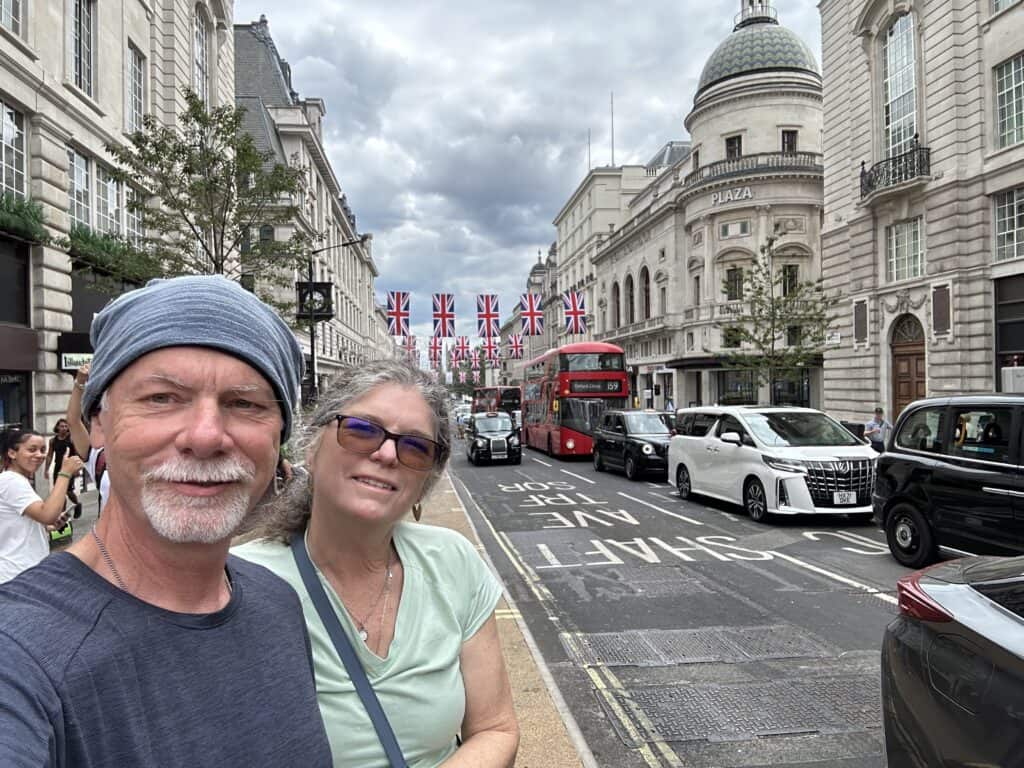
474, 359
532, 314
435, 350
398, 313
476, 377
462, 377
461, 348
515, 346
444, 315
487, 314
410, 347
489, 346
575, 312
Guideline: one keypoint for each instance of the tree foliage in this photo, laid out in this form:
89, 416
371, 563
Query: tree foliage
779, 328
207, 190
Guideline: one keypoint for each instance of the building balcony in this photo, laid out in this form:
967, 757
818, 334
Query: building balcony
896, 173
642, 328
762, 162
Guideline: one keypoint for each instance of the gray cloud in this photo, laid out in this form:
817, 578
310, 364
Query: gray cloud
458, 128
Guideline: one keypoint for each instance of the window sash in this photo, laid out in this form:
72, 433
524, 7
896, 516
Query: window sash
200, 57
899, 87
12, 151
10, 15
83, 45
136, 88
904, 254
79, 189
1010, 101
1010, 224
734, 284
108, 202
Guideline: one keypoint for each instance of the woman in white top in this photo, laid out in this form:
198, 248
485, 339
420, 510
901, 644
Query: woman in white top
23, 514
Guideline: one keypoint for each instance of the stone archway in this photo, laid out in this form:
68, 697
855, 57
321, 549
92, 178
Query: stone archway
909, 373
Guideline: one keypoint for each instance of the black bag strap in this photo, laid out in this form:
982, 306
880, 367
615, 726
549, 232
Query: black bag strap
345, 650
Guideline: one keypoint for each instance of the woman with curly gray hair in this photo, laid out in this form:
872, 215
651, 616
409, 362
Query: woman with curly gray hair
415, 602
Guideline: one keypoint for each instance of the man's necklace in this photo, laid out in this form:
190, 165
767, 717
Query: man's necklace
384, 590
117, 576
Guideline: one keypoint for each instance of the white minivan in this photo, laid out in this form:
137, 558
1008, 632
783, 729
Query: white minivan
772, 460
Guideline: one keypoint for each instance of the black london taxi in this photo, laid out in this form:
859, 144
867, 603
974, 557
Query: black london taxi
492, 437
951, 479
635, 441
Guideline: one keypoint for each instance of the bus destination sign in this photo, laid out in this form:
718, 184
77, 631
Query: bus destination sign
595, 387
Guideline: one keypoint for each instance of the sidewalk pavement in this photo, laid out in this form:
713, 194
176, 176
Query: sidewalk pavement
544, 740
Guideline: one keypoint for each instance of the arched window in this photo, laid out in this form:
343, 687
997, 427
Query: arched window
645, 294
616, 307
899, 86
201, 53
630, 301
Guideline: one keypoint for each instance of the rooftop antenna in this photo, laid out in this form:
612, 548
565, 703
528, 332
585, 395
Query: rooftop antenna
613, 128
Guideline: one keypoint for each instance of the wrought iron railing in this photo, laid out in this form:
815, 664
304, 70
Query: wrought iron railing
913, 164
762, 161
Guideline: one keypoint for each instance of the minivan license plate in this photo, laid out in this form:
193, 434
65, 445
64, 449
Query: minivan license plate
844, 497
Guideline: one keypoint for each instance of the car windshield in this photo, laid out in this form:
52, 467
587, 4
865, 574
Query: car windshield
494, 424
645, 424
798, 428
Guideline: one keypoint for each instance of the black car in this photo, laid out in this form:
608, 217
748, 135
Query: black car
492, 437
635, 441
953, 666
950, 479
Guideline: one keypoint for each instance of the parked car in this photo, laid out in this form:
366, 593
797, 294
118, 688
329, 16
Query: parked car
772, 460
950, 479
492, 437
635, 441
953, 666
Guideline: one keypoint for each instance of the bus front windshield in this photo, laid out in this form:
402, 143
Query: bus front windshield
583, 414
592, 361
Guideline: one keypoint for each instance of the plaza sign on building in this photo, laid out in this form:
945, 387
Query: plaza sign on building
732, 195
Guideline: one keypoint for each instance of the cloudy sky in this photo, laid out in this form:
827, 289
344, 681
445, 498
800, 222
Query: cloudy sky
458, 129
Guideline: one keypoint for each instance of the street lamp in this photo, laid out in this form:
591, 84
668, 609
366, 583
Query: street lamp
315, 305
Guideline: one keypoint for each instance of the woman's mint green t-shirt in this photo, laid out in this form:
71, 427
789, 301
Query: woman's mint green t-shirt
447, 596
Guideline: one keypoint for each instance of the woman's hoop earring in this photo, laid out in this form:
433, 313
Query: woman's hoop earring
417, 511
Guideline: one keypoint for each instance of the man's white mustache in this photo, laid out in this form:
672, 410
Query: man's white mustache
181, 470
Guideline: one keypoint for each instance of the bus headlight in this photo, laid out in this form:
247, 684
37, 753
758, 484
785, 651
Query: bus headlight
648, 449
570, 444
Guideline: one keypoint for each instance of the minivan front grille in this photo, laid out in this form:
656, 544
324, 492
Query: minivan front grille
498, 446
824, 478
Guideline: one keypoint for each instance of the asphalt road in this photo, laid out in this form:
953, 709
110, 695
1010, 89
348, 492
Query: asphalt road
680, 633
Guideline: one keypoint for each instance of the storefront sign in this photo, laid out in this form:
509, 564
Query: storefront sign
73, 351
731, 195
582, 386
72, 361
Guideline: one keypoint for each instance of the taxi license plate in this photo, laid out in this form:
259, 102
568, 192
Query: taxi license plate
844, 497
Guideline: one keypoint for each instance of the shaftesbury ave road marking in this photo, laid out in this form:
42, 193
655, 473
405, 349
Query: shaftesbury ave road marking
579, 477
659, 509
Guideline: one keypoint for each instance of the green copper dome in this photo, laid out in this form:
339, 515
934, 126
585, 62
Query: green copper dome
757, 47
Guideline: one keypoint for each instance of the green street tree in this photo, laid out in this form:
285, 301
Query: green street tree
780, 325
210, 199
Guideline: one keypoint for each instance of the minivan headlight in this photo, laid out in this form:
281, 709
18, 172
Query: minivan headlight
784, 465
513, 440
647, 448
480, 442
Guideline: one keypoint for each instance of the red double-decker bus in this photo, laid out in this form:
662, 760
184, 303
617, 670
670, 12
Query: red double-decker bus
565, 392
491, 399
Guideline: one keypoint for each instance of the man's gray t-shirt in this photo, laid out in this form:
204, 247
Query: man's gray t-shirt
91, 677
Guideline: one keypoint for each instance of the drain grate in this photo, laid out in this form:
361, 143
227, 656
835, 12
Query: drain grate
742, 711
613, 649
780, 641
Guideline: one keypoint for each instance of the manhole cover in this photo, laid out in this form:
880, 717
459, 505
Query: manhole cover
612, 649
780, 641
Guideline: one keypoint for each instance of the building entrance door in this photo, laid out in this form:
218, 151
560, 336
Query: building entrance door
909, 375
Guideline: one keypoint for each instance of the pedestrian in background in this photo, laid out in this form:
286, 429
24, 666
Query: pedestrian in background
24, 515
95, 458
412, 605
144, 644
878, 430
61, 445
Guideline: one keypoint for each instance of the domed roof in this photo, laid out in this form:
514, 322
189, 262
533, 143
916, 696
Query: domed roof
757, 47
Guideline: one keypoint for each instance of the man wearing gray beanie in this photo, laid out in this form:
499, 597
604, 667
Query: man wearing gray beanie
145, 643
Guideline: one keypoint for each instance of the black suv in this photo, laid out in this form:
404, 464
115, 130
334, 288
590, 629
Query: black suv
492, 437
634, 440
951, 479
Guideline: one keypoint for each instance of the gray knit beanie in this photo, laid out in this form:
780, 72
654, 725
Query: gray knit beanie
194, 311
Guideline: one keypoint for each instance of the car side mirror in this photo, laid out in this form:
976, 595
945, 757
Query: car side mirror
733, 438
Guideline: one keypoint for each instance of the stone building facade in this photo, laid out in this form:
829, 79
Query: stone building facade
672, 271
78, 74
292, 128
923, 234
